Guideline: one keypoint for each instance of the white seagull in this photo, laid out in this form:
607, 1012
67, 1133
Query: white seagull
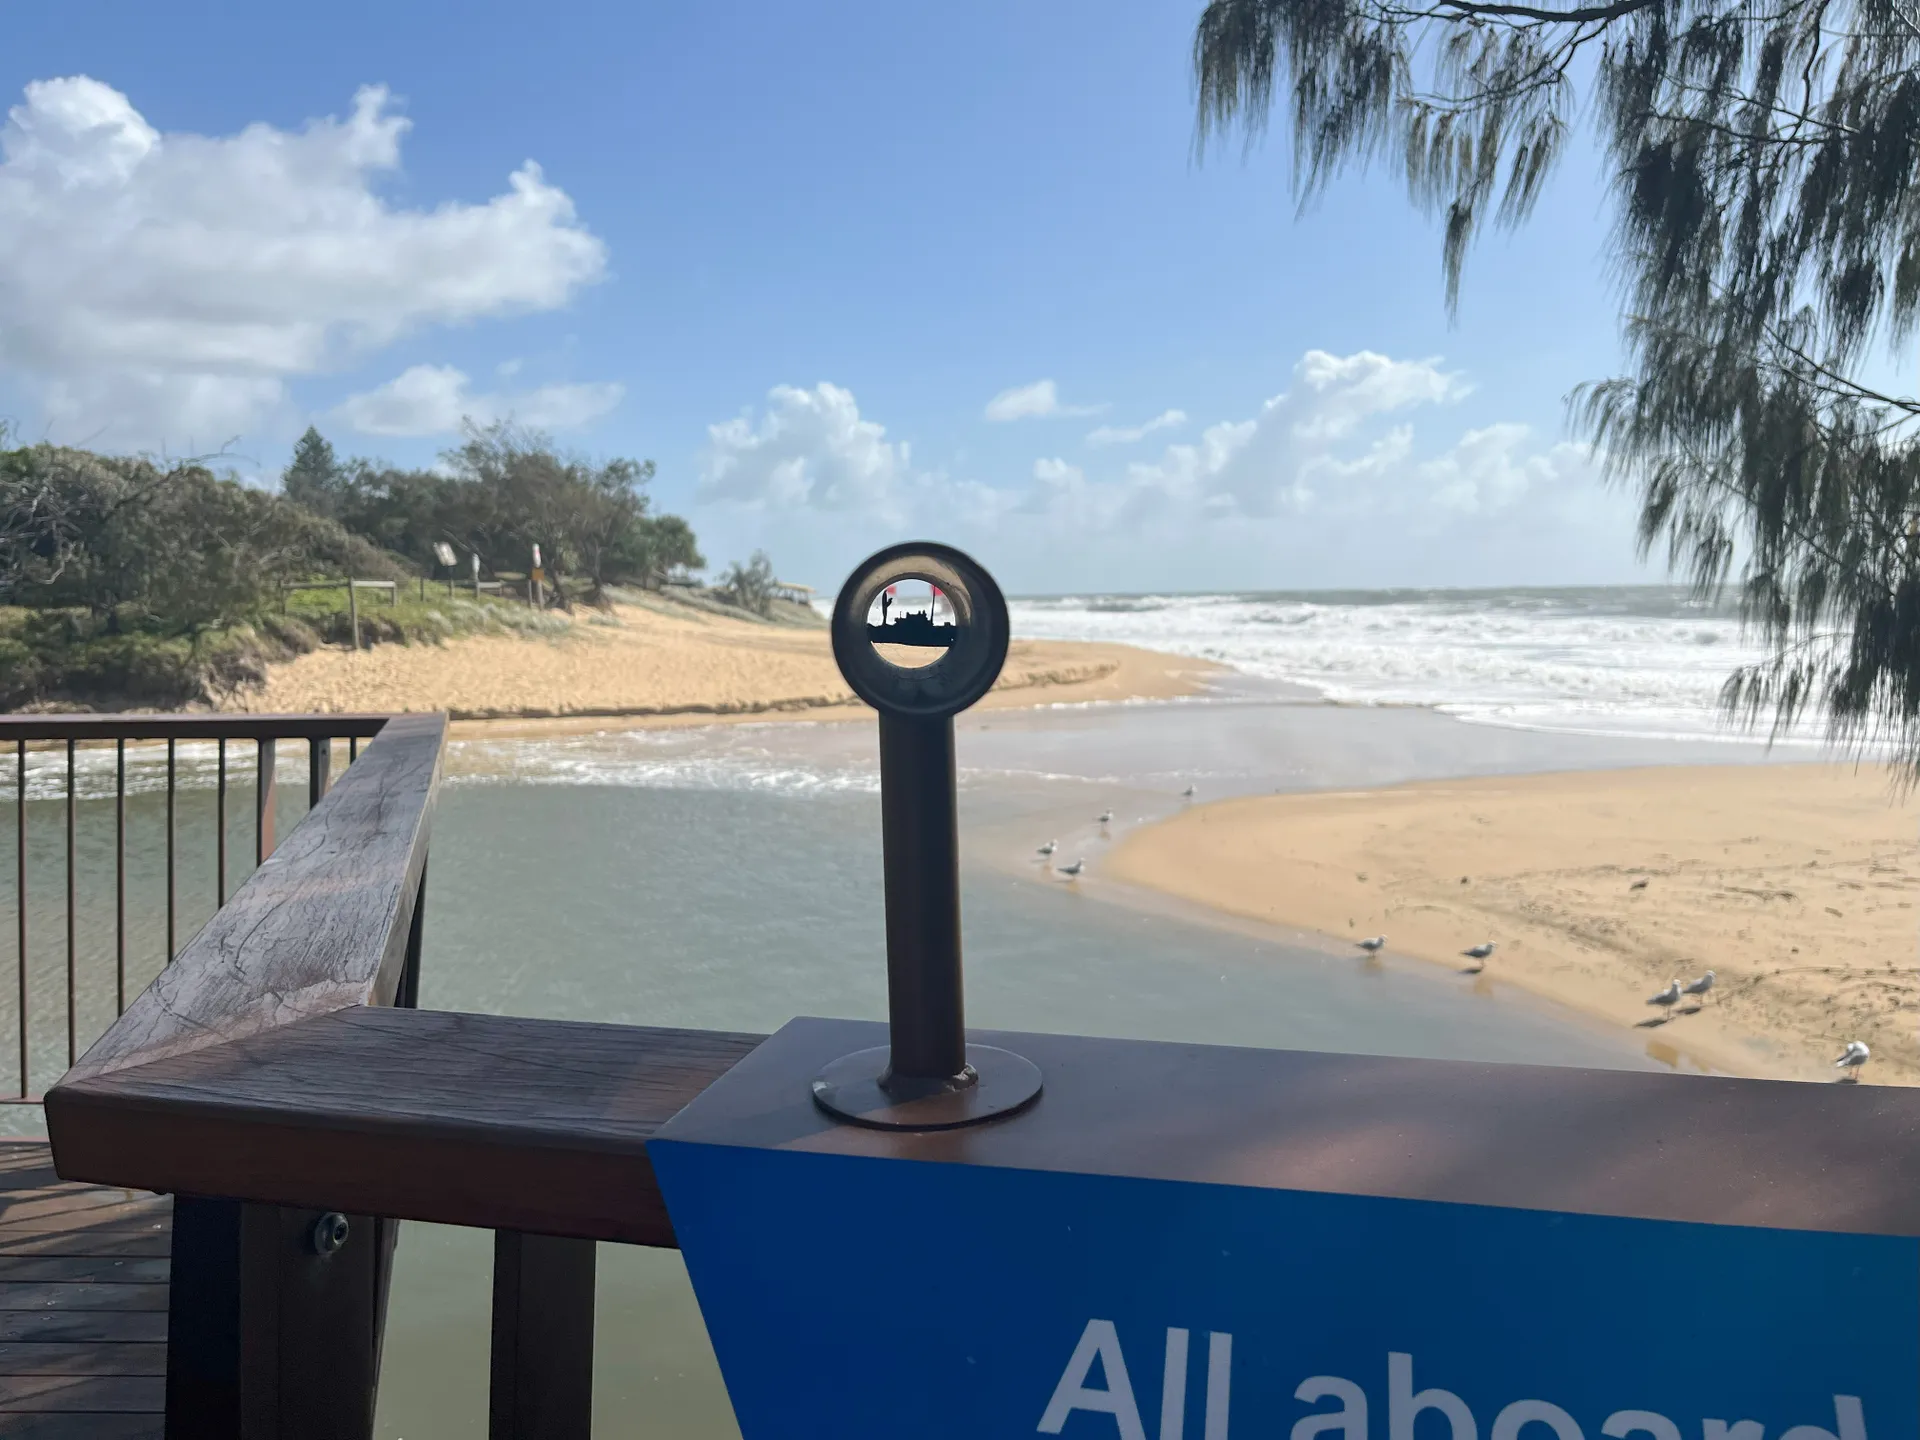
1072, 872
1106, 817
1480, 951
1699, 987
1372, 944
1667, 998
1048, 848
1852, 1059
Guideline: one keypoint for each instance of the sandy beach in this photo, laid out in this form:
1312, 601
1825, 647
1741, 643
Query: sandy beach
1794, 883
669, 665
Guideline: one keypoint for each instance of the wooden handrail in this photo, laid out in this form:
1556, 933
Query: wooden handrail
321, 925
492, 1121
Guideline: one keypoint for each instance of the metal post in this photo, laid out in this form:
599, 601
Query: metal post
927, 1077
265, 797
353, 613
920, 833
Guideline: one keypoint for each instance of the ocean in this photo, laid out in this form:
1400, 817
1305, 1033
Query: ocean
1643, 661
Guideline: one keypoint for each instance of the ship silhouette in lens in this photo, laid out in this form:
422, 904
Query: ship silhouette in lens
915, 627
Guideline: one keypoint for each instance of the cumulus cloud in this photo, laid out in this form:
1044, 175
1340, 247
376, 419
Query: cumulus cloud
155, 285
1355, 460
806, 448
434, 399
1317, 437
1037, 401
1133, 434
1492, 469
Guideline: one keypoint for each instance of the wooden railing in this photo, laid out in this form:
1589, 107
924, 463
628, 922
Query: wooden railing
78, 736
278, 1080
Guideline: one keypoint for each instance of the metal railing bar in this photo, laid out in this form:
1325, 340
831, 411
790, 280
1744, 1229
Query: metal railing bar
101, 728
171, 890
20, 898
73, 1029
120, 877
220, 826
266, 796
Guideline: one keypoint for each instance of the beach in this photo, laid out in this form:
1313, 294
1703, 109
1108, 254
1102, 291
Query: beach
1794, 883
671, 664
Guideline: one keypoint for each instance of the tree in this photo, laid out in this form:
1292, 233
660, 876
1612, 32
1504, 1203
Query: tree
315, 478
181, 546
1765, 184
750, 586
654, 547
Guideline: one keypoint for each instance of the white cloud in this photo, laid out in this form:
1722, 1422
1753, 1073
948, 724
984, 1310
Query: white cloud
1037, 401
1132, 434
156, 286
434, 399
1491, 470
808, 448
1306, 442
1353, 474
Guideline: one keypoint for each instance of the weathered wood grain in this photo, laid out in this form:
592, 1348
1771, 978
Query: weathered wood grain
83, 1269
58, 1358
85, 1427
82, 1329
137, 1394
321, 925
484, 1120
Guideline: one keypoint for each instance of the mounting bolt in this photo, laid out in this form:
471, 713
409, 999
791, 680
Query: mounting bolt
329, 1233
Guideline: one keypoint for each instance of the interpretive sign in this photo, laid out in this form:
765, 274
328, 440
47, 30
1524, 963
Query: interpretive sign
1182, 1241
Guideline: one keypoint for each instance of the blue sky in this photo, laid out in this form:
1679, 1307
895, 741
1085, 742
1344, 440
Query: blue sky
793, 254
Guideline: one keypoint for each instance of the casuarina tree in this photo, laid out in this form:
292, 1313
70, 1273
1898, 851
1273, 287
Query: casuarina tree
1764, 170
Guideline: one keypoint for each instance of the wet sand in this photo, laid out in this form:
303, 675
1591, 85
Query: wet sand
1794, 883
651, 665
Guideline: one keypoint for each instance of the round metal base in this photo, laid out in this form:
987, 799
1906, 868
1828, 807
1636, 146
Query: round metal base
858, 1087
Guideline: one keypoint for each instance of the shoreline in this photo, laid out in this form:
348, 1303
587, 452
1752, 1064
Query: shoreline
1599, 886
645, 667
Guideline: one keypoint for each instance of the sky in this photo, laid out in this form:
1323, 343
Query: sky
849, 273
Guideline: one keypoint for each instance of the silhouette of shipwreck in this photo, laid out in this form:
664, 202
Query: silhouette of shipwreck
916, 627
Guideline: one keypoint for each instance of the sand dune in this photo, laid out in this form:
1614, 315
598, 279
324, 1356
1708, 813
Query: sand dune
1795, 883
658, 666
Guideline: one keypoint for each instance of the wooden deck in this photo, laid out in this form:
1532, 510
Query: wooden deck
83, 1304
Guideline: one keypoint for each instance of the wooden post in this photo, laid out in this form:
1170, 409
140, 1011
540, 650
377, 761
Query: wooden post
268, 1338
266, 793
353, 612
542, 1370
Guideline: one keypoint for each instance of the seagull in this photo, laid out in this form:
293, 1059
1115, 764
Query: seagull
1699, 987
1480, 951
1106, 817
1852, 1059
1639, 884
1373, 944
1048, 848
1667, 998
1072, 872
1187, 794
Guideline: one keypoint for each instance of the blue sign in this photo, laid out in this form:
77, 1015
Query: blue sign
864, 1298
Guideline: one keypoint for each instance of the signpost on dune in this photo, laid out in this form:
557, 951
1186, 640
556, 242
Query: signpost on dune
912, 1229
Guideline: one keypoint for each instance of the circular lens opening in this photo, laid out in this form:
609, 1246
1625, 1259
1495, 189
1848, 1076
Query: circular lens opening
911, 624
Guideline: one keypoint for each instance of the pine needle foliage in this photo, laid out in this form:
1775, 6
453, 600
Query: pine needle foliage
1764, 162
